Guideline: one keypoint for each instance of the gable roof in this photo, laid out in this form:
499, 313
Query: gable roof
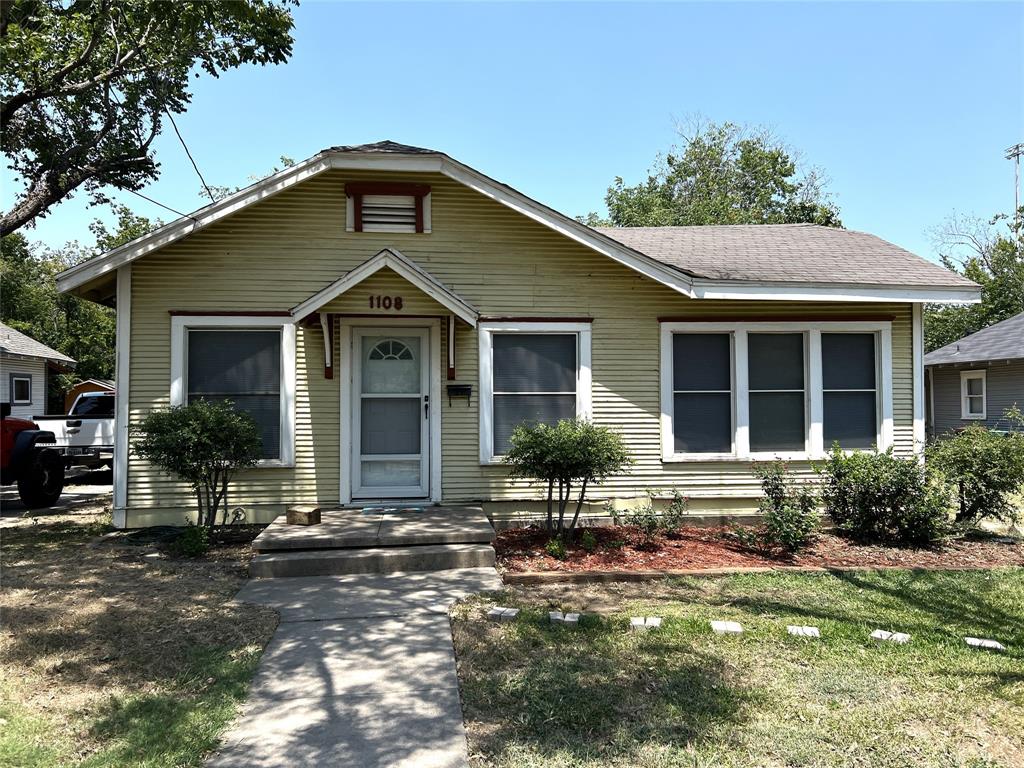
14, 342
669, 257
1001, 341
391, 259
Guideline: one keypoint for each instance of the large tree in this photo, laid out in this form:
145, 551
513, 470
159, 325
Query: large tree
85, 85
722, 173
989, 253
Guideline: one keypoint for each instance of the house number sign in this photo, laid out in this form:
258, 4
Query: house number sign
386, 302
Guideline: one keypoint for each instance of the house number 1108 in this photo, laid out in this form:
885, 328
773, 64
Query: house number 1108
385, 302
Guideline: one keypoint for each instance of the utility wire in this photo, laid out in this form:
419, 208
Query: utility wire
167, 207
192, 159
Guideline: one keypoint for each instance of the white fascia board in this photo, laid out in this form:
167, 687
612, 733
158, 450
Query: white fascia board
401, 265
568, 227
187, 225
773, 291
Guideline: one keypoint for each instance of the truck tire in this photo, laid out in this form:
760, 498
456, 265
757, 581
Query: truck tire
42, 479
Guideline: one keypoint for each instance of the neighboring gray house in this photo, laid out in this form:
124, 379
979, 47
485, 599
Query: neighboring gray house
976, 379
24, 363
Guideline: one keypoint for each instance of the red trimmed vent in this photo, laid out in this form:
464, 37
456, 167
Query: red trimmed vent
382, 206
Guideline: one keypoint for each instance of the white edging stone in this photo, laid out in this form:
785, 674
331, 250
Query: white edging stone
499, 613
985, 645
726, 628
881, 636
799, 631
644, 623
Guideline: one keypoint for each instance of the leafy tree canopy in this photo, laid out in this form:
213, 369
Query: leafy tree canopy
722, 173
30, 303
989, 253
86, 84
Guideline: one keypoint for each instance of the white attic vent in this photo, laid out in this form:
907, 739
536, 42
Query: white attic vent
374, 206
389, 213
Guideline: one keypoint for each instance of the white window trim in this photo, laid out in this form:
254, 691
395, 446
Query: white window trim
965, 412
181, 324
350, 219
583, 373
23, 377
816, 448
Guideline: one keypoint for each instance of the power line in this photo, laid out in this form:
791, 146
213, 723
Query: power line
192, 159
167, 207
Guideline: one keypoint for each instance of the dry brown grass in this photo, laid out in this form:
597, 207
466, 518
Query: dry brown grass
88, 617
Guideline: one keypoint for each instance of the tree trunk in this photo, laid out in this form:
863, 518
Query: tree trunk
550, 521
579, 506
50, 188
563, 502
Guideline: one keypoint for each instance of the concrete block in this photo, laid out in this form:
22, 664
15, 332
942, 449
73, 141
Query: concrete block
509, 614
637, 623
726, 628
556, 617
303, 514
800, 631
881, 636
495, 613
653, 622
984, 645
572, 619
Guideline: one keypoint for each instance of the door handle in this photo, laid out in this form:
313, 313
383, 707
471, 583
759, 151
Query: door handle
74, 422
426, 406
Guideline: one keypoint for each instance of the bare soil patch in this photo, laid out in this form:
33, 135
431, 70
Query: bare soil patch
622, 548
90, 617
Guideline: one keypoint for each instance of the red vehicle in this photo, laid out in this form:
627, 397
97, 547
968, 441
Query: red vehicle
27, 459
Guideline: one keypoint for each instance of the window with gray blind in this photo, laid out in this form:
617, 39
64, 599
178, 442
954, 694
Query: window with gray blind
702, 416
777, 386
849, 390
243, 367
534, 381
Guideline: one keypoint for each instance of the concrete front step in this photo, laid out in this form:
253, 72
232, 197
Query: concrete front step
336, 562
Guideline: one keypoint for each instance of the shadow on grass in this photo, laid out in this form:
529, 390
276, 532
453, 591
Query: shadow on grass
601, 693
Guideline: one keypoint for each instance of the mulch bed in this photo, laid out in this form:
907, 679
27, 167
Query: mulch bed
621, 548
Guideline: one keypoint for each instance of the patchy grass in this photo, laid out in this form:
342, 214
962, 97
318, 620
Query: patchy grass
537, 695
113, 655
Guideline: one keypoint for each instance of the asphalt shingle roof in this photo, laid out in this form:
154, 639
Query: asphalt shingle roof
17, 343
785, 253
1002, 341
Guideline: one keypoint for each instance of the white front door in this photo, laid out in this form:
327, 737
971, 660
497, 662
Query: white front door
390, 412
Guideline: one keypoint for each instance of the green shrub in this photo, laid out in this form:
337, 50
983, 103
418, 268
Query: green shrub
194, 541
646, 520
556, 548
790, 514
588, 541
985, 467
875, 496
676, 513
204, 443
573, 454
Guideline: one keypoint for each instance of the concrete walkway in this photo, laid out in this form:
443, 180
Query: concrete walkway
361, 672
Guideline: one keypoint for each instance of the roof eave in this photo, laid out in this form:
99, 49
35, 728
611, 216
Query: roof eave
824, 291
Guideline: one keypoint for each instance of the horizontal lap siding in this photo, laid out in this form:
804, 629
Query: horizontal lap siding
276, 254
1004, 387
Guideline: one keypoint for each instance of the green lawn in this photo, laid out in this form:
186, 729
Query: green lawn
537, 695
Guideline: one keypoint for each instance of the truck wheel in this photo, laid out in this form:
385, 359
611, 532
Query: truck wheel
42, 479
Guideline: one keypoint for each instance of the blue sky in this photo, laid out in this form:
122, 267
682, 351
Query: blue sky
907, 107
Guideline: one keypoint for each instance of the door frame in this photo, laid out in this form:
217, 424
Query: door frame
345, 339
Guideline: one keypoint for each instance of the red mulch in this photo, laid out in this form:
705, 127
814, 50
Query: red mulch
621, 548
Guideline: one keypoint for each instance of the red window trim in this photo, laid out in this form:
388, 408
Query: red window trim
356, 189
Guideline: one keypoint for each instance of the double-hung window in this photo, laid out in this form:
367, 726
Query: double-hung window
21, 388
530, 373
247, 361
785, 389
972, 395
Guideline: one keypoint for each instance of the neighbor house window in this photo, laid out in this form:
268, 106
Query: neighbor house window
972, 394
849, 372
247, 361
788, 389
530, 373
21, 389
387, 207
702, 392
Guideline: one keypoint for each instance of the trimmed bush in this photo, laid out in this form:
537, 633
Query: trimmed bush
985, 467
874, 496
790, 514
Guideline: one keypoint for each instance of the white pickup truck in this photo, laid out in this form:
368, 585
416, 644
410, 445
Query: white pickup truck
86, 434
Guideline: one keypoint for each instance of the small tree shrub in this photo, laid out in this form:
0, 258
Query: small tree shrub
790, 514
646, 520
879, 497
556, 548
573, 454
588, 541
205, 444
675, 513
985, 468
194, 541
